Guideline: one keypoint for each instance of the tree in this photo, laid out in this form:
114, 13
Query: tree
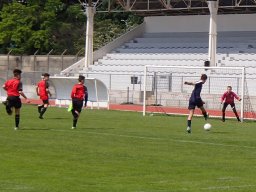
28, 26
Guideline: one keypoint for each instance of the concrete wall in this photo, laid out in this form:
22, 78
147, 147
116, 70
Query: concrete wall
199, 23
43, 63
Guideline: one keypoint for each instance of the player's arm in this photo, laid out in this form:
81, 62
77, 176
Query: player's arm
24, 96
48, 91
37, 90
4, 87
21, 92
85, 96
237, 97
73, 92
223, 97
189, 83
47, 88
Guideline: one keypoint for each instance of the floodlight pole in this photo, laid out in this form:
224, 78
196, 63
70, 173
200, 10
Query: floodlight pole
90, 11
213, 7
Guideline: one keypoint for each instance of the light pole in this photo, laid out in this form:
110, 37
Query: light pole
213, 7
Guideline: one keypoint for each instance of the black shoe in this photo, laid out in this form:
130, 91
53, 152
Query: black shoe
206, 116
189, 129
238, 120
223, 120
40, 117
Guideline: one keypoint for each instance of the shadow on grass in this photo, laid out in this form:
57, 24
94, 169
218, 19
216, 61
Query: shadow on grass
219, 132
95, 128
58, 118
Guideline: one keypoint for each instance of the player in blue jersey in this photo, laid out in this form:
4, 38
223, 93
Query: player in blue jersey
196, 100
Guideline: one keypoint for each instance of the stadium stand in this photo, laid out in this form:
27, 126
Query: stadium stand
160, 45
182, 49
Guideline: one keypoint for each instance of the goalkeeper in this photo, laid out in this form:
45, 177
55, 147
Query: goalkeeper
228, 98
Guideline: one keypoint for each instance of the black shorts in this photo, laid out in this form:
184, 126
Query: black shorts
226, 104
46, 101
195, 103
14, 101
77, 105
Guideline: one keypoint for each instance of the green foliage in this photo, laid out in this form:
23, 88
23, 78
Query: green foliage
55, 24
105, 31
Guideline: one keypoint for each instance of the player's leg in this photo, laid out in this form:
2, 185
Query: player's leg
191, 108
44, 108
17, 113
39, 108
200, 105
190, 116
223, 111
205, 114
8, 105
77, 107
234, 110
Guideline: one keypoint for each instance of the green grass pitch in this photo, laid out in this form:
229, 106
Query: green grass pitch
113, 151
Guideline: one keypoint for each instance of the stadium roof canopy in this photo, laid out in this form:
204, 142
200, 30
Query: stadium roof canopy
174, 7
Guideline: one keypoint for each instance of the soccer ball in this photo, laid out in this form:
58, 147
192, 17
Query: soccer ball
207, 126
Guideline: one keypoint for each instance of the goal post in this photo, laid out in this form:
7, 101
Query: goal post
165, 92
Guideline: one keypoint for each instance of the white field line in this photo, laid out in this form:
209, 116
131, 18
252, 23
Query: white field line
163, 139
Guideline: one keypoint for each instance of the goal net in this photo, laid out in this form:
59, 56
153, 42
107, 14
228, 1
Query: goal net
165, 91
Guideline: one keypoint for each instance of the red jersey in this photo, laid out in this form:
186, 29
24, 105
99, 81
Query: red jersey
13, 86
79, 91
42, 89
228, 97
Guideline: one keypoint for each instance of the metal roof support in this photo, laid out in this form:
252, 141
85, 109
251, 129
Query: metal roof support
213, 7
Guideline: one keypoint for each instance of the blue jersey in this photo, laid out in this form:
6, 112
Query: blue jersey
196, 94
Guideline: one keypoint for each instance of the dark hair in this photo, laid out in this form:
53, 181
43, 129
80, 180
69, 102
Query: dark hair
229, 87
203, 77
81, 78
16, 72
46, 75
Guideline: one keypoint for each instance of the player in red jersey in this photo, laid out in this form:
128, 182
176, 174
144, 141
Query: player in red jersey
79, 96
43, 91
13, 87
228, 99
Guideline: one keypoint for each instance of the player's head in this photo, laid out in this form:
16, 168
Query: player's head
81, 78
203, 77
17, 73
229, 88
46, 76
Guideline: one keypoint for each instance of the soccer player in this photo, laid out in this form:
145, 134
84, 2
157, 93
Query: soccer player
196, 100
228, 99
79, 96
43, 91
13, 87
